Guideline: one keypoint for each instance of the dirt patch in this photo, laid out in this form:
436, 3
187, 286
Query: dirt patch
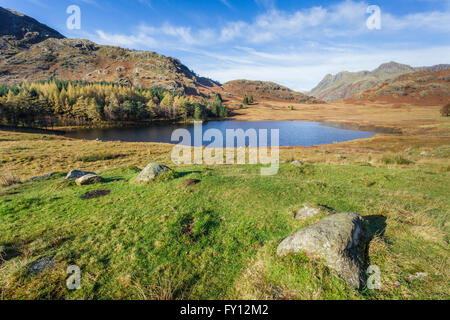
191, 182
95, 194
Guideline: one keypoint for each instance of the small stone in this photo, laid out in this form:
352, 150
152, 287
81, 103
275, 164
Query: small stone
397, 284
75, 174
306, 212
418, 275
41, 265
297, 163
424, 153
88, 179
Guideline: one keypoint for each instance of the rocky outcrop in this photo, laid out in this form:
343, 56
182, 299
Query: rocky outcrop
75, 174
151, 172
23, 31
88, 179
31, 51
340, 240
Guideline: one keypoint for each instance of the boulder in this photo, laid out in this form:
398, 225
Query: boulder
297, 163
340, 240
306, 212
88, 179
152, 171
75, 174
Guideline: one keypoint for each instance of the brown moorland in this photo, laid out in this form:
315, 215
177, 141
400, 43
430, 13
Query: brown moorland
410, 130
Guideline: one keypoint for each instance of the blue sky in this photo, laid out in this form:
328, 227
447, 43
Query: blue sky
292, 42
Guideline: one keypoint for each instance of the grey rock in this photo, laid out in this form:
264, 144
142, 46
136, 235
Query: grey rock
152, 171
340, 240
306, 212
75, 174
41, 265
418, 275
45, 176
297, 163
89, 179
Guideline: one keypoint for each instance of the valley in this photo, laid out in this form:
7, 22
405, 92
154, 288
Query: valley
211, 231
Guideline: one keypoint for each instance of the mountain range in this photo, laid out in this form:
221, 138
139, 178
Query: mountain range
346, 84
417, 88
31, 51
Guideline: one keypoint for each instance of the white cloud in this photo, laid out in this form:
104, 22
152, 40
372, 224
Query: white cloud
296, 48
341, 20
302, 70
226, 3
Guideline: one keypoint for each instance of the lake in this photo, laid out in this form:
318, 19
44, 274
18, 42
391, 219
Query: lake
291, 133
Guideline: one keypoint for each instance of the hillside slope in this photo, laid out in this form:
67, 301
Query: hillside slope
18, 32
32, 51
346, 84
263, 90
418, 88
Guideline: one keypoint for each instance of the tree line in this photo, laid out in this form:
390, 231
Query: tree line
63, 103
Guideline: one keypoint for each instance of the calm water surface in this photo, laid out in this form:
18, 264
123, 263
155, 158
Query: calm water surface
292, 133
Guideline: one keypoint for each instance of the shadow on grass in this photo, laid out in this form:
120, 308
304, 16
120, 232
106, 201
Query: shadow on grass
8, 251
376, 225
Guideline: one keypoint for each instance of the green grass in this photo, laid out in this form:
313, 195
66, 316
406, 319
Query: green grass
218, 239
396, 159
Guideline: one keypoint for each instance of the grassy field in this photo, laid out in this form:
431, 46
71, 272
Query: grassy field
218, 239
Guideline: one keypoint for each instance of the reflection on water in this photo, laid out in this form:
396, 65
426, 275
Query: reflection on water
292, 133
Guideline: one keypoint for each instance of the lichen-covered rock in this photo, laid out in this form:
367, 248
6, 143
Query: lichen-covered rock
340, 240
306, 212
75, 174
88, 179
152, 171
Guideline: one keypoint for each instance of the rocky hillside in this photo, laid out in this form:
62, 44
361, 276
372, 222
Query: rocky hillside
18, 32
32, 51
262, 90
418, 88
346, 84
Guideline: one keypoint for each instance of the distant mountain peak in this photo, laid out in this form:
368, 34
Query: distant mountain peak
32, 51
22, 31
345, 84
